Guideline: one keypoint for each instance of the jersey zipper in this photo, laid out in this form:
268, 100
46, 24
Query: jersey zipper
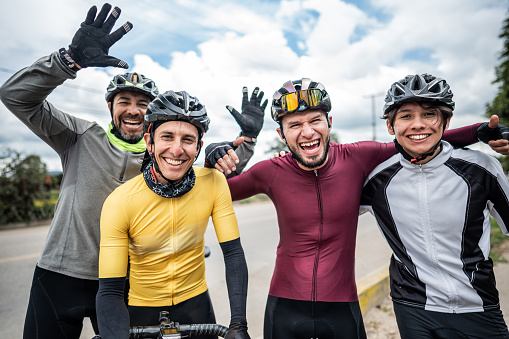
448, 284
320, 235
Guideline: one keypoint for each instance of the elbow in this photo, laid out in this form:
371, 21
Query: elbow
6, 94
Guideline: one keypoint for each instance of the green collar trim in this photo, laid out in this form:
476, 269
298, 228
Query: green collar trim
122, 145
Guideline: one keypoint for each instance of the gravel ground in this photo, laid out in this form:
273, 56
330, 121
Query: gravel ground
380, 322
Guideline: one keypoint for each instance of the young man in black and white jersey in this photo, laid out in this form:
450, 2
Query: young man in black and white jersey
433, 204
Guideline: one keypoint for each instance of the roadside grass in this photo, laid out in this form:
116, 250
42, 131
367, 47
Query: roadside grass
497, 239
51, 201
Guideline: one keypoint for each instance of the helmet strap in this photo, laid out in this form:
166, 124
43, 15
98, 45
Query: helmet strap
150, 130
281, 130
153, 158
412, 159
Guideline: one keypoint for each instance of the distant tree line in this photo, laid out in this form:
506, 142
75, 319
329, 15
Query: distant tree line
25, 188
500, 104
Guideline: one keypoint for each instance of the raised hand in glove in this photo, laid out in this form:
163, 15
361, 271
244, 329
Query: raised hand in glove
91, 43
251, 118
494, 134
237, 330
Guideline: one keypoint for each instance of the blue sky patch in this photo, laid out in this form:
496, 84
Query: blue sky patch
419, 54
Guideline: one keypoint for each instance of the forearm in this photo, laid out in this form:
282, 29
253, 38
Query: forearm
112, 314
24, 95
463, 136
29, 87
245, 152
236, 278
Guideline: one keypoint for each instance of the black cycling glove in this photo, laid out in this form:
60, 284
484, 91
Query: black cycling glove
216, 151
91, 43
251, 119
485, 134
237, 330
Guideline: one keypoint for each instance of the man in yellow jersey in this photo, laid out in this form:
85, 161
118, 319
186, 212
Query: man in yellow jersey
158, 220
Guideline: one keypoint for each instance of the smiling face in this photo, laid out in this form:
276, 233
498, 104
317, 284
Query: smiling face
418, 127
307, 135
175, 148
128, 111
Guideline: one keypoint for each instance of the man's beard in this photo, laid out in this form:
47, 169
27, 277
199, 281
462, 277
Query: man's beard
314, 162
129, 138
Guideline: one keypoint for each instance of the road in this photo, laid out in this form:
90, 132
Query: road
19, 249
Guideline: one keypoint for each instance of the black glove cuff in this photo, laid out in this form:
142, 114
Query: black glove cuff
485, 134
67, 59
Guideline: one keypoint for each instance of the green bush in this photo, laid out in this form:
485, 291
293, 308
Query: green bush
497, 238
23, 181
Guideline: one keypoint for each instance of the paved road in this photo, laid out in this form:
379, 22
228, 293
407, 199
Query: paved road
19, 250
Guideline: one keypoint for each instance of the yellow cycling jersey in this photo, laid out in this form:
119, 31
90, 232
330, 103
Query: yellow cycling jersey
163, 237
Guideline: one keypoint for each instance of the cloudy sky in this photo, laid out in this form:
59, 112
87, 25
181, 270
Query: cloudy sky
212, 48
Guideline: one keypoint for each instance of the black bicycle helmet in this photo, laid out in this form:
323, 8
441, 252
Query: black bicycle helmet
322, 101
131, 82
171, 106
418, 87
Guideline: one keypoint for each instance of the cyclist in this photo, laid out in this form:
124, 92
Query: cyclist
316, 190
432, 203
94, 162
158, 219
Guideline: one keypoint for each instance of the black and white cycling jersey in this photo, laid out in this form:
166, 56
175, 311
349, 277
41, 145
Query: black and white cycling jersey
436, 219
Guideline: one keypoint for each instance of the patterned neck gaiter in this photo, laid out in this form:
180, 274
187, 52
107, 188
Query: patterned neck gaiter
173, 190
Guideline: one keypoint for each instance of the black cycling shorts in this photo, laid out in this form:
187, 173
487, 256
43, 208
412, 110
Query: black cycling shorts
197, 310
58, 304
296, 319
416, 323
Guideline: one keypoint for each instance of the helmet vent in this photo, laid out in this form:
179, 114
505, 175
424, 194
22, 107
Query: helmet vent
436, 88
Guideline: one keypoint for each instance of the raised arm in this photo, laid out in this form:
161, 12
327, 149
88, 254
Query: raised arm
25, 93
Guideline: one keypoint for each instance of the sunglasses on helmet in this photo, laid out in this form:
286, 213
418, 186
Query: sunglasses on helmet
311, 97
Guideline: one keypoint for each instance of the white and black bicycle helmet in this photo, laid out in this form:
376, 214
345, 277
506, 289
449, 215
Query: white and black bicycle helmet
317, 99
172, 106
134, 82
418, 87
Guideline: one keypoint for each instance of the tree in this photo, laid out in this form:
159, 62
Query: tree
278, 144
500, 104
22, 183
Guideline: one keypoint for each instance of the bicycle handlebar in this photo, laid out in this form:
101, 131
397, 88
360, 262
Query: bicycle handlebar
180, 331
170, 329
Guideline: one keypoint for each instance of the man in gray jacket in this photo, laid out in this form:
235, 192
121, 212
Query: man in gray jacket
94, 163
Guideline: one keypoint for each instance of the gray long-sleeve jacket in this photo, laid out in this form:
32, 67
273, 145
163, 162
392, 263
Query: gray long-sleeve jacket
92, 166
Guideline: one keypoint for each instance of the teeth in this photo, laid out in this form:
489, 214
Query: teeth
174, 162
131, 121
306, 144
418, 137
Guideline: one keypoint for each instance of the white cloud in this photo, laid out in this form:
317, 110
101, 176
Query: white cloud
213, 48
